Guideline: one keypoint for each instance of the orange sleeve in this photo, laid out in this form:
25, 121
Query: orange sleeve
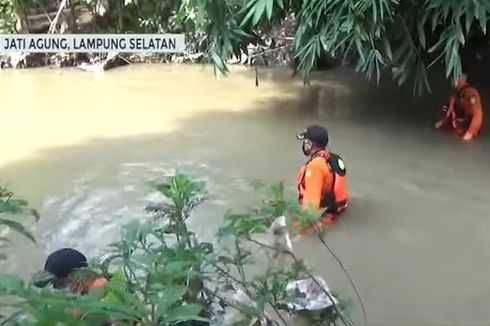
476, 111
313, 186
100, 282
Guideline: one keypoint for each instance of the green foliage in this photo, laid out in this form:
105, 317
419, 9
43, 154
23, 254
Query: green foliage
406, 36
7, 16
161, 274
11, 206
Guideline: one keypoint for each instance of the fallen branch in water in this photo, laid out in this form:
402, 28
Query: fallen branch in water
113, 60
261, 53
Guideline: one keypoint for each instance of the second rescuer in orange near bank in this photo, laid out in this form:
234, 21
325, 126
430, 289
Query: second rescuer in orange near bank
322, 179
464, 114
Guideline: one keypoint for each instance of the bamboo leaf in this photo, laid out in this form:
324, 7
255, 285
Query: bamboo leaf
280, 3
250, 13
482, 17
360, 51
259, 11
268, 6
375, 12
442, 39
238, 34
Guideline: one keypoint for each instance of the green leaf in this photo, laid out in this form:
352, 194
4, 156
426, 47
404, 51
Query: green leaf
186, 313
259, 11
280, 3
36, 215
174, 294
11, 207
261, 302
268, 7
250, 13
17, 227
482, 17
240, 32
10, 284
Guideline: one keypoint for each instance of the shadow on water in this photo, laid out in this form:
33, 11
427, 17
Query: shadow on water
415, 237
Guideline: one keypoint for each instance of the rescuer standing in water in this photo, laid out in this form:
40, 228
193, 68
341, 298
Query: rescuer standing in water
322, 180
464, 113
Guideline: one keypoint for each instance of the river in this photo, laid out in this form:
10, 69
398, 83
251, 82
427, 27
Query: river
415, 238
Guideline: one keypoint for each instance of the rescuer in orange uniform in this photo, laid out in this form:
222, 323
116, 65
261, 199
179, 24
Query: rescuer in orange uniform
59, 269
322, 180
61, 272
464, 113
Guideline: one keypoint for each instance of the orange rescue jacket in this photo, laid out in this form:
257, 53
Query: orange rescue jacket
466, 105
322, 182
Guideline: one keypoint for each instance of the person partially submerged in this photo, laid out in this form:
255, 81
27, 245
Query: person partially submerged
66, 269
464, 113
322, 182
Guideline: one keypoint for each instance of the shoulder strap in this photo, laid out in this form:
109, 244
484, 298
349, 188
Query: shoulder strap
337, 164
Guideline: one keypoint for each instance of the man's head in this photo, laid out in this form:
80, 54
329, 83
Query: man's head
461, 82
313, 139
58, 267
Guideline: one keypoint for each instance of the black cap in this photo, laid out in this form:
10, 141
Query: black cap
316, 134
59, 264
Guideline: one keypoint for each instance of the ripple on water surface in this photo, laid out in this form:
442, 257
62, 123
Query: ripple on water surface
91, 214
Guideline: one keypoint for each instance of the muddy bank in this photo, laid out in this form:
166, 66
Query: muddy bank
103, 61
257, 55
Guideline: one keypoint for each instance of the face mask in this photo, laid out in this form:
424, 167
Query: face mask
306, 146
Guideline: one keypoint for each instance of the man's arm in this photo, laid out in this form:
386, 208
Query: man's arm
450, 115
476, 115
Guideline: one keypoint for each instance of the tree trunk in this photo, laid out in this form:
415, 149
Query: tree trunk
74, 27
22, 25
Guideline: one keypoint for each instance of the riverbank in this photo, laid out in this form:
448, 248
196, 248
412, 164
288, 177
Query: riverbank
256, 55
90, 61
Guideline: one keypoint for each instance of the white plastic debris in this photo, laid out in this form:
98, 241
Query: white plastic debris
309, 296
281, 234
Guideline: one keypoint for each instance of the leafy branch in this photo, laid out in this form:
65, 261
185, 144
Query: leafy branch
161, 274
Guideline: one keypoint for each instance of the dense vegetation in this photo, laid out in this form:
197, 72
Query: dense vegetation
162, 274
407, 37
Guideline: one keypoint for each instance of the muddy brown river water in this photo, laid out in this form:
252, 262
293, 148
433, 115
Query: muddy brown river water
416, 237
